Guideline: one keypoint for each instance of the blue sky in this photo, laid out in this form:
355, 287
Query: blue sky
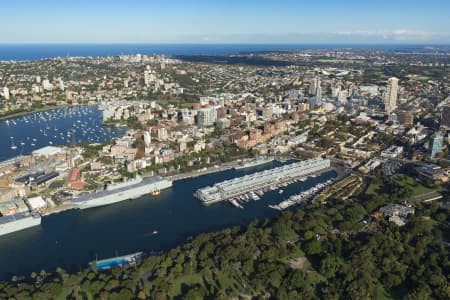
231, 21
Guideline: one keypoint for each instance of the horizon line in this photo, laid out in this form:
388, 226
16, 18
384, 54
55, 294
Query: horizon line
227, 43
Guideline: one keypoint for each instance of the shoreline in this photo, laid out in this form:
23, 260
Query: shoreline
111, 49
179, 177
67, 206
25, 113
340, 173
9, 123
223, 167
192, 174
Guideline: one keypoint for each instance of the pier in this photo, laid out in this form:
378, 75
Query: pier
301, 197
261, 180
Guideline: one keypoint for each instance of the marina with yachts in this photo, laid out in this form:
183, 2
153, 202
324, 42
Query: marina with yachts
240, 190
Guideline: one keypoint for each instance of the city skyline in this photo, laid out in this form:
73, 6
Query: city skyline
289, 22
193, 149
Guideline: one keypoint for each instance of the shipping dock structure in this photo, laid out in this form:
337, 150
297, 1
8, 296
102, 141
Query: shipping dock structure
130, 189
302, 197
226, 190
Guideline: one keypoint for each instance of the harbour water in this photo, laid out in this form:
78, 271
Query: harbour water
21, 52
73, 238
62, 126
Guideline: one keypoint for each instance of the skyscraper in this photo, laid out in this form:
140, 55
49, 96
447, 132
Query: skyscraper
206, 116
393, 117
46, 85
445, 116
162, 134
319, 95
435, 145
405, 117
335, 89
147, 138
390, 96
342, 96
315, 83
6, 93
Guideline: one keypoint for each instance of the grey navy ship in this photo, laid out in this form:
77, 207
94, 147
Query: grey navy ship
19, 221
117, 192
253, 162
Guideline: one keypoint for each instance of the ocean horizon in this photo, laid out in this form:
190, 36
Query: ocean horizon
37, 51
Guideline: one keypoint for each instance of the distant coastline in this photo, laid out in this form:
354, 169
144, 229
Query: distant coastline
28, 52
34, 110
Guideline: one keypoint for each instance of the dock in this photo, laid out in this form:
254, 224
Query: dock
241, 186
301, 197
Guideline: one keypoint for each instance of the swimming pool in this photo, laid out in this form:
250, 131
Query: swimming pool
115, 261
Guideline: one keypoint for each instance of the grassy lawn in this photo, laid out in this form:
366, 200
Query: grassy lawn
422, 78
162, 101
373, 188
186, 104
416, 187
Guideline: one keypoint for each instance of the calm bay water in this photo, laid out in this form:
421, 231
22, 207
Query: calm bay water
54, 127
73, 238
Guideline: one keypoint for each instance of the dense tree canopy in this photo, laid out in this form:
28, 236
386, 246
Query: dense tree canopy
317, 252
